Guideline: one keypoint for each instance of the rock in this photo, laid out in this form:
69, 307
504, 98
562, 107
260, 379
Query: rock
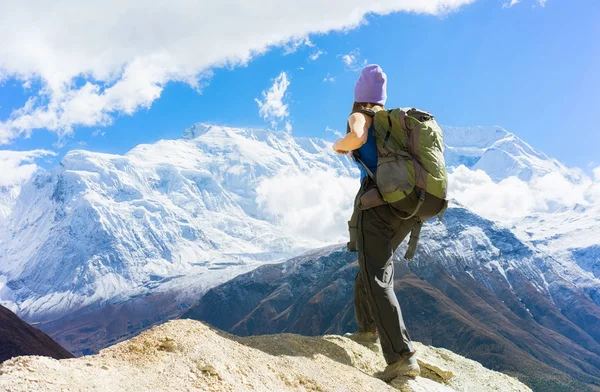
207, 359
419, 384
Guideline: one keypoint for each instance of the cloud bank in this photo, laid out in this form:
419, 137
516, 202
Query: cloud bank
512, 199
87, 62
17, 167
318, 205
315, 205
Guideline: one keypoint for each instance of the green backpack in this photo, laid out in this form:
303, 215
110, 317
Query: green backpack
410, 146
410, 149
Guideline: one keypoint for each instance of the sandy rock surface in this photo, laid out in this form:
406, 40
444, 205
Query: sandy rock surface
186, 355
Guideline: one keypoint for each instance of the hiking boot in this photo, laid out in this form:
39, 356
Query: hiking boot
407, 367
368, 339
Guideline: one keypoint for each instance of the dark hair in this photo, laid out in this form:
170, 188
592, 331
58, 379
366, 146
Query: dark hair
357, 106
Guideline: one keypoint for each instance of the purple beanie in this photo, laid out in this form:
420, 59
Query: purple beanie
371, 85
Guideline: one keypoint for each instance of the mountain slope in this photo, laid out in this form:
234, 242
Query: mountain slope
569, 234
197, 357
475, 289
8, 196
18, 338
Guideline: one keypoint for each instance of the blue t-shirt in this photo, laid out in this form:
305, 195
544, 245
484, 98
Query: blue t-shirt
368, 154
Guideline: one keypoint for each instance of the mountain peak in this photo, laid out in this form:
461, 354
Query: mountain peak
200, 129
474, 137
196, 130
497, 152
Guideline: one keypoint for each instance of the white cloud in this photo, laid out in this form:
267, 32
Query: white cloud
541, 3
512, 199
348, 59
322, 204
98, 132
295, 44
272, 108
594, 192
353, 60
596, 172
316, 55
512, 2
17, 167
329, 79
97, 60
334, 131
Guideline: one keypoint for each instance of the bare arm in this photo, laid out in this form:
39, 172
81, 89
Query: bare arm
359, 128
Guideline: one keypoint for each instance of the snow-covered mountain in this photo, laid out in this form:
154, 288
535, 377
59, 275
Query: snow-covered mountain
175, 215
110, 244
8, 197
566, 224
499, 153
570, 235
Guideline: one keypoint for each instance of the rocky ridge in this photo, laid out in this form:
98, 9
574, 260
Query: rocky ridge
19, 338
189, 355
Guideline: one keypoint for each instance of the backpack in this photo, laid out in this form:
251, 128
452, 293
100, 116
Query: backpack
410, 150
410, 146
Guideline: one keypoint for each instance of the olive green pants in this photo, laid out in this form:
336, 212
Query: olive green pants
380, 231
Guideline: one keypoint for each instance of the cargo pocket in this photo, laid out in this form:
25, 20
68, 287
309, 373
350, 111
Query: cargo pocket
395, 177
371, 198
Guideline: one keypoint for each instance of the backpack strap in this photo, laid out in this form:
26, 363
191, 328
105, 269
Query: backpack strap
369, 172
417, 208
414, 240
368, 112
443, 211
353, 224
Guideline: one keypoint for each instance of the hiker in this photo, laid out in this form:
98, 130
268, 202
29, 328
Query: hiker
382, 220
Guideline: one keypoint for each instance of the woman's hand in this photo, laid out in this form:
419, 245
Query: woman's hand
337, 149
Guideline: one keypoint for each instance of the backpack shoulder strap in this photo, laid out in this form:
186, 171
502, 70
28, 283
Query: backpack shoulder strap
369, 172
368, 112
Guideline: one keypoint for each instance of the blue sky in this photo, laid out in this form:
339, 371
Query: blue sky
531, 69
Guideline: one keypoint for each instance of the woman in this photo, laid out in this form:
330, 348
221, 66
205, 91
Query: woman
380, 231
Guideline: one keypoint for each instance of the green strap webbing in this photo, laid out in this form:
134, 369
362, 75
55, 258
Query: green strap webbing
416, 211
398, 153
353, 225
414, 241
353, 231
368, 112
369, 172
443, 211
